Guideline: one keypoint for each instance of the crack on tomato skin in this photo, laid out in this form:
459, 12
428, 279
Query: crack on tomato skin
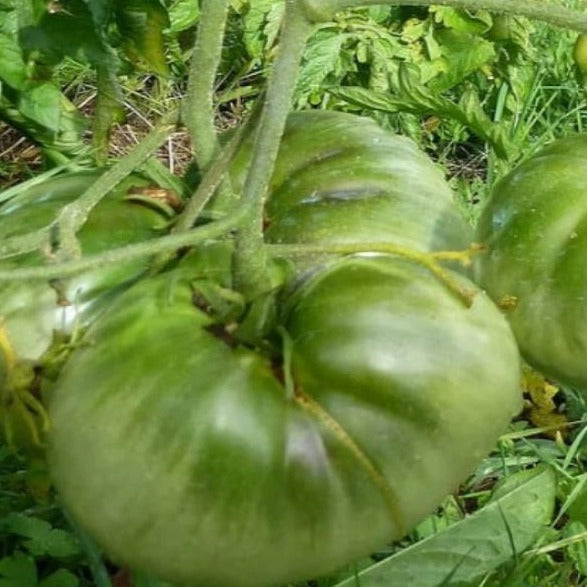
312, 407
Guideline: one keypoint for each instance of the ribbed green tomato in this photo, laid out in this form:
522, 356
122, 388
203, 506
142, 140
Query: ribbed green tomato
341, 178
580, 56
191, 459
207, 462
29, 311
535, 231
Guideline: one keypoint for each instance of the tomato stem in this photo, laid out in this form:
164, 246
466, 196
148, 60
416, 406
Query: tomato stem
199, 106
129, 252
73, 216
250, 271
427, 260
210, 182
323, 10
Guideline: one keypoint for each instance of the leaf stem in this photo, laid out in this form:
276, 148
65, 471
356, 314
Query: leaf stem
250, 274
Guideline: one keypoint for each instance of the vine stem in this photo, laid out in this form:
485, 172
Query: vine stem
72, 216
425, 259
127, 253
324, 10
250, 261
199, 111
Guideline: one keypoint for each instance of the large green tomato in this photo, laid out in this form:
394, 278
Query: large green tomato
29, 311
209, 462
535, 231
341, 178
191, 459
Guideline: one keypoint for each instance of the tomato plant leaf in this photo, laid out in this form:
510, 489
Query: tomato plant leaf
12, 65
142, 23
42, 104
41, 539
321, 58
60, 578
479, 544
18, 570
109, 109
101, 11
462, 54
461, 20
255, 21
183, 14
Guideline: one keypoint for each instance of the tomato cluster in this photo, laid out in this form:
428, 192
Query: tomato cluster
210, 458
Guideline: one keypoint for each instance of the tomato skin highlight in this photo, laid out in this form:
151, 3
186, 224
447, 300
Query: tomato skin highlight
215, 475
535, 230
31, 311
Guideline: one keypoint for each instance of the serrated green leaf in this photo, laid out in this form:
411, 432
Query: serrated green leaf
40, 538
60, 578
476, 22
471, 548
142, 23
463, 54
273, 23
322, 57
18, 570
255, 20
183, 14
415, 98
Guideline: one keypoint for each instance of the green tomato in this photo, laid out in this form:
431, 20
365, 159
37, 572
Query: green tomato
580, 55
341, 178
535, 232
206, 461
31, 311
191, 459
